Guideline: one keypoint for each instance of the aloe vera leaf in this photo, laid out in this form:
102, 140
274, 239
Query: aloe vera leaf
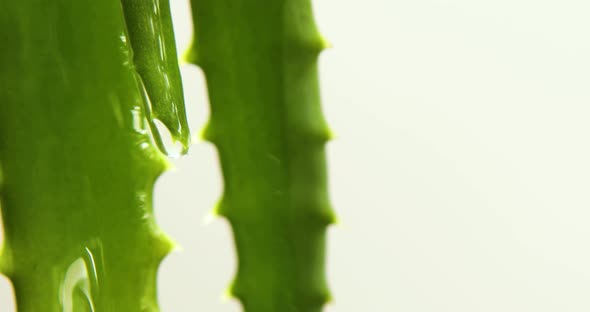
260, 62
151, 35
78, 165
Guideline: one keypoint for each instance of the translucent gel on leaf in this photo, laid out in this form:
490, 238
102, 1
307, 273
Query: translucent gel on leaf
78, 164
154, 53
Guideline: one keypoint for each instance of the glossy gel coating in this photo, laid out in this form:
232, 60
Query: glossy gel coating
77, 161
149, 26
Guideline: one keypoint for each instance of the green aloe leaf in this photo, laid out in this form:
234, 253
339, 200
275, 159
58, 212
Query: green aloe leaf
77, 159
154, 53
260, 62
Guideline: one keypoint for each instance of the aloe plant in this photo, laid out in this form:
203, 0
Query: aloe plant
260, 62
85, 84
78, 163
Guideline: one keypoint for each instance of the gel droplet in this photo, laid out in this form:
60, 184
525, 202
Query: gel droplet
172, 147
164, 139
75, 289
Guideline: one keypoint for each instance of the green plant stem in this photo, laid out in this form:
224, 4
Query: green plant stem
78, 164
260, 62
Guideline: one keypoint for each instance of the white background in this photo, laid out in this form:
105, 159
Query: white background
460, 172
